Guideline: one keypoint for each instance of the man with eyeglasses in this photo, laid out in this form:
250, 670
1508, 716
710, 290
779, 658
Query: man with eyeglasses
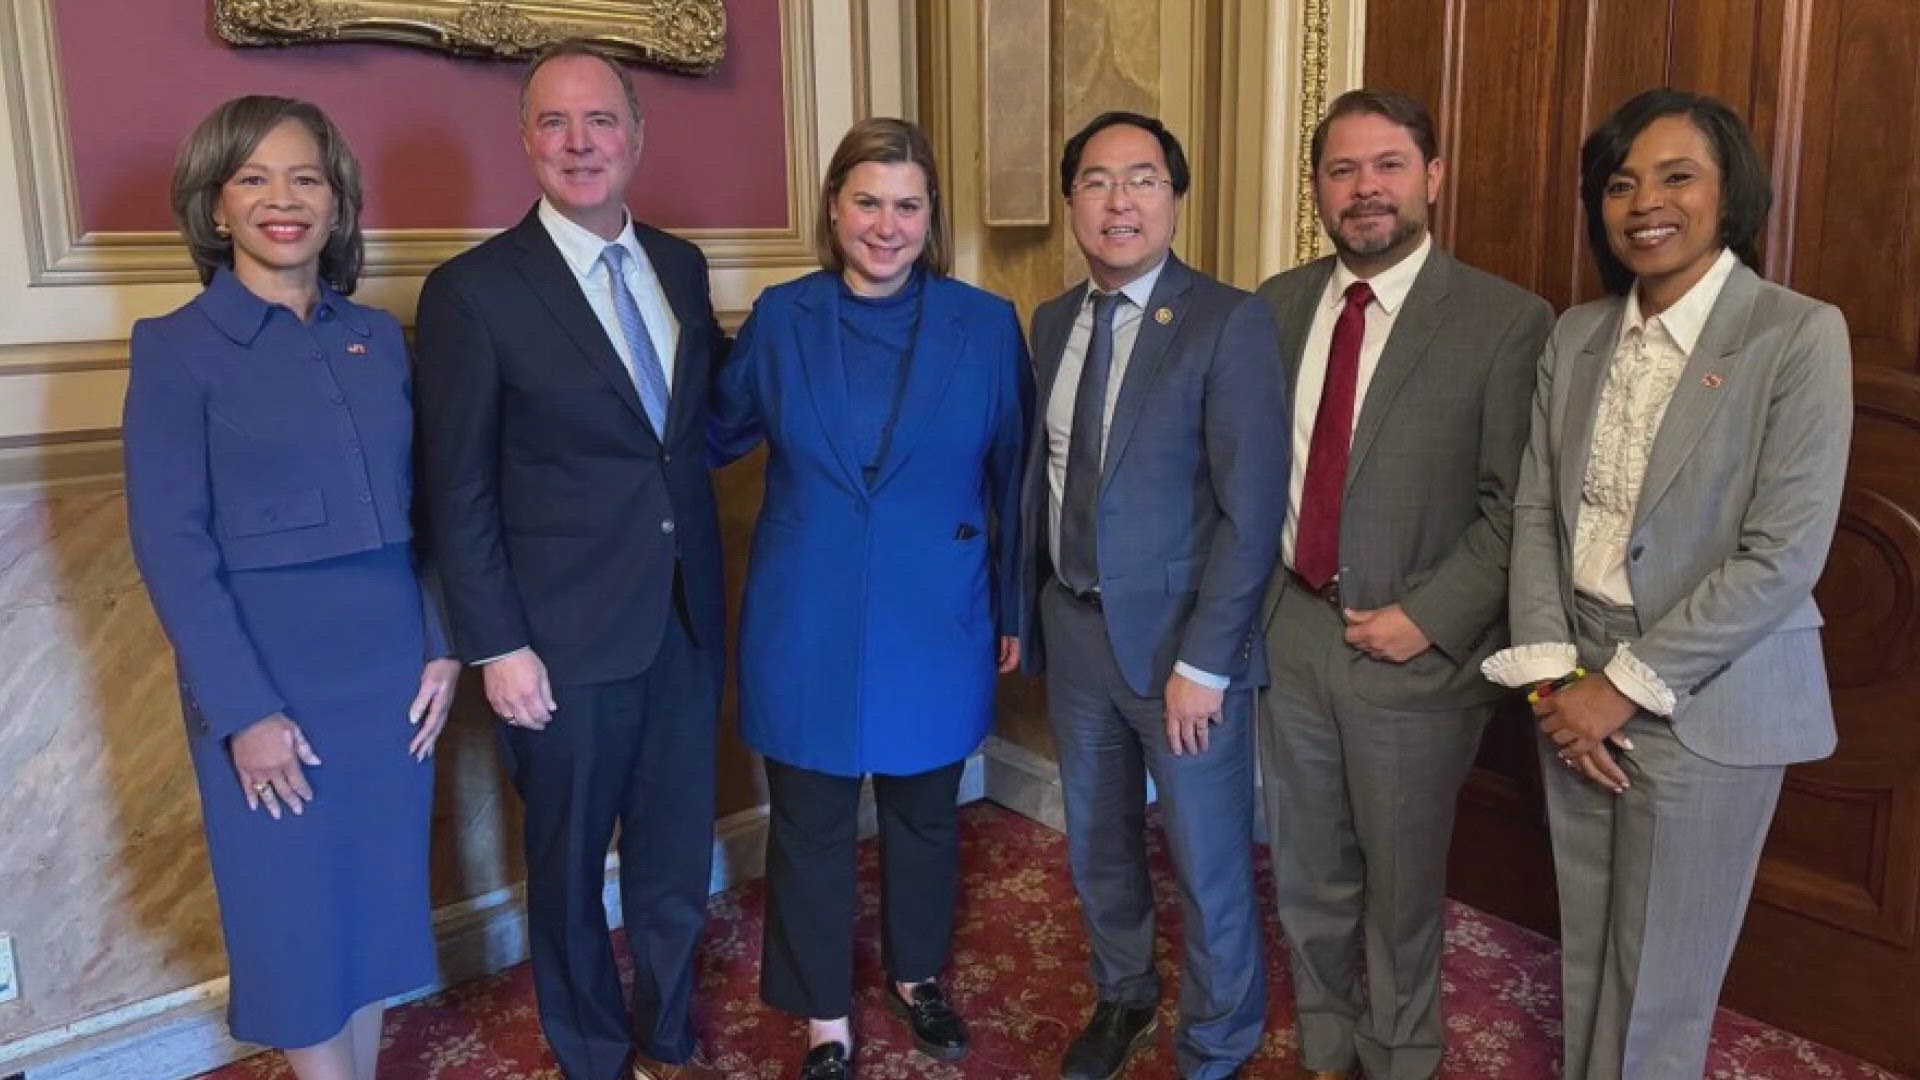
1153, 516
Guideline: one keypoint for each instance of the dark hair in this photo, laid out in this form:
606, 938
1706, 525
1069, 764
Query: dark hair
560, 50
217, 149
1391, 104
1746, 192
1169, 148
884, 139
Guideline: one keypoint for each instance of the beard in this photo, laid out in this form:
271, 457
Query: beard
1404, 229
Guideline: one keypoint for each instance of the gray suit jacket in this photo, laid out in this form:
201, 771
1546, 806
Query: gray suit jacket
1426, 518
1193, 482
1736, 512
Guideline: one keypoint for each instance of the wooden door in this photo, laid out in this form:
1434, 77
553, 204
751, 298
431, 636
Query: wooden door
1832, 89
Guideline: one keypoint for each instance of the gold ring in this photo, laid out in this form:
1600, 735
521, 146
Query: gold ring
262, 788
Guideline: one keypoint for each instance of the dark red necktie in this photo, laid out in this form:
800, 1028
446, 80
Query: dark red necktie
1316, 540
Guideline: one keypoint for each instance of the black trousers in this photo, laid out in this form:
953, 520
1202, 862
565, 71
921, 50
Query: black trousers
638, 753
806, 961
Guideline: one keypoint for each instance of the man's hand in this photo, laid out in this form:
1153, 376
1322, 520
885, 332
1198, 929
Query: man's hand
518, 690
1385, 634
1191, 710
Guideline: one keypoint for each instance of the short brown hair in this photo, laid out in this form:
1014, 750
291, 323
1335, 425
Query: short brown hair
217, 149
890, 141
1391, 104
560, 50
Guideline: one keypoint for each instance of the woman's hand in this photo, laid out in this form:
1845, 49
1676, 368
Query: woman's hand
267, 755
1580, 716
1009, 654
429, 709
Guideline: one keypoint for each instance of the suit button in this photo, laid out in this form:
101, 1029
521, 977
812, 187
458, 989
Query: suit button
666, 459
667, 526
366, 496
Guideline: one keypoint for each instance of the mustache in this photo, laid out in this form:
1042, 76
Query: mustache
1370, 207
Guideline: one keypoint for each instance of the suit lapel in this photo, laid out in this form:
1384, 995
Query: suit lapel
1421, 313
1698, 394
1582, 403
1296, 320
689, 310
817, 343
1150, 346
551, 279
939, 341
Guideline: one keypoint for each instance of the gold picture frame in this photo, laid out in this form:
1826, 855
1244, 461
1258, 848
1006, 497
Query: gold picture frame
682, 35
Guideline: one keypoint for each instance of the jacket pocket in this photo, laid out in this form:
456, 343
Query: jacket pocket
274, 513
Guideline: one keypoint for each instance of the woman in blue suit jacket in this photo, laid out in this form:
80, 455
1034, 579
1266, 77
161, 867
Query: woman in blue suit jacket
894, 402
268, 438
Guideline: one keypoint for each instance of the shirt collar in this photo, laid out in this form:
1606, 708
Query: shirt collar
1390, 286
1687, 318
240, 313
1140, 289
582, 247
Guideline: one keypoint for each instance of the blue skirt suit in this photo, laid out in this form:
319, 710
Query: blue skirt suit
269, 482
883, 570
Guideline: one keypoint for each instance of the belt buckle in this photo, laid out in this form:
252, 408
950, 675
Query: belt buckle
1330, 592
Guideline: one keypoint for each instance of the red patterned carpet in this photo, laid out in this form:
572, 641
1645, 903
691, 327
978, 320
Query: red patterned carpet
1019, 979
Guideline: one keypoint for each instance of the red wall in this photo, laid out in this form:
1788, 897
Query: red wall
437, 136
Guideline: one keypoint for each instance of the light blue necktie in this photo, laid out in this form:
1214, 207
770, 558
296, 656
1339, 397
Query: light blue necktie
648, 378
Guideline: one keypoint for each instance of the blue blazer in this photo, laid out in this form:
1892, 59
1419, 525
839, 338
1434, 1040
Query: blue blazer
867, 635
253, 441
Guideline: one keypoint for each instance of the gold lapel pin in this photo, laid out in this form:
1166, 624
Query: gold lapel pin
1711, 381
1163, 316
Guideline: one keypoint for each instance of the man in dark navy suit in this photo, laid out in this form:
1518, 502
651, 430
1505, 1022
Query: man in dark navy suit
563, 394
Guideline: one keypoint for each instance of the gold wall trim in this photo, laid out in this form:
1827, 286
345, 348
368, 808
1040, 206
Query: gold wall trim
60, 253
684, 35
1315, 17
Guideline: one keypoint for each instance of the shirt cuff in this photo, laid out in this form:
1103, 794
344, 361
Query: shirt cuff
502, 656
1631, 676
1195, 675
1524, 665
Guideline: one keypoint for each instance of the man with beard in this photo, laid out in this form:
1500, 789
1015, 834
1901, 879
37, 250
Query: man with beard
1412, 380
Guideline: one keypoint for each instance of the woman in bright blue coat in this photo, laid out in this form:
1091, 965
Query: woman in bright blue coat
882, 593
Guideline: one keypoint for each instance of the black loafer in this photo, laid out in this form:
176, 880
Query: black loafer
828, 1061
938, 1031
1115, 1033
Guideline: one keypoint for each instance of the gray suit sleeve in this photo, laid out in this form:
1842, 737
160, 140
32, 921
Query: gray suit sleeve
1468, 590
1535, 611
1789, 521
1246, 446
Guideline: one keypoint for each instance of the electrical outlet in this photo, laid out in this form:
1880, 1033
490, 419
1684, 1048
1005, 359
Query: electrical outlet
9, 976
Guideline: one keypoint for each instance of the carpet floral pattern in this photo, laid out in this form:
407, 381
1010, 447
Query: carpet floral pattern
1019, 979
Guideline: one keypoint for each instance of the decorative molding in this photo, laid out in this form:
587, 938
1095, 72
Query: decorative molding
59, 252
682, 35
1016, 117
1315, 17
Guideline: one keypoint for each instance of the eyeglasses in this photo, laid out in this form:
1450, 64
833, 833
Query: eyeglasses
1100, 188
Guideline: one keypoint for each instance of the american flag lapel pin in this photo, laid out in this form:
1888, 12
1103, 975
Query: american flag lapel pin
1711, 380
357, 349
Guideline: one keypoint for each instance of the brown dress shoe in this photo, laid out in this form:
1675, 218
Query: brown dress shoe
694, 1068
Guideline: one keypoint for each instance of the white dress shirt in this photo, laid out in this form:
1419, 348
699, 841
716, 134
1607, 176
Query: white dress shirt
1390, 288
582, 248
1648, 359
1127, 314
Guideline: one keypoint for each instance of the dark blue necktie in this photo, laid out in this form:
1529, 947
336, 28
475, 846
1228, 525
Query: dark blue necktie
1080, 501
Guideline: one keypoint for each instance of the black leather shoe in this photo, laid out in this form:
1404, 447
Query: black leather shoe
1109, 1041
938, 1031
828, 1061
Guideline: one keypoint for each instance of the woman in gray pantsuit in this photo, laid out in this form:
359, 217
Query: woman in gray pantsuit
1675, 506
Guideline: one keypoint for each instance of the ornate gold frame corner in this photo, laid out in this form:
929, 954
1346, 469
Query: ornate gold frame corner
682, 35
